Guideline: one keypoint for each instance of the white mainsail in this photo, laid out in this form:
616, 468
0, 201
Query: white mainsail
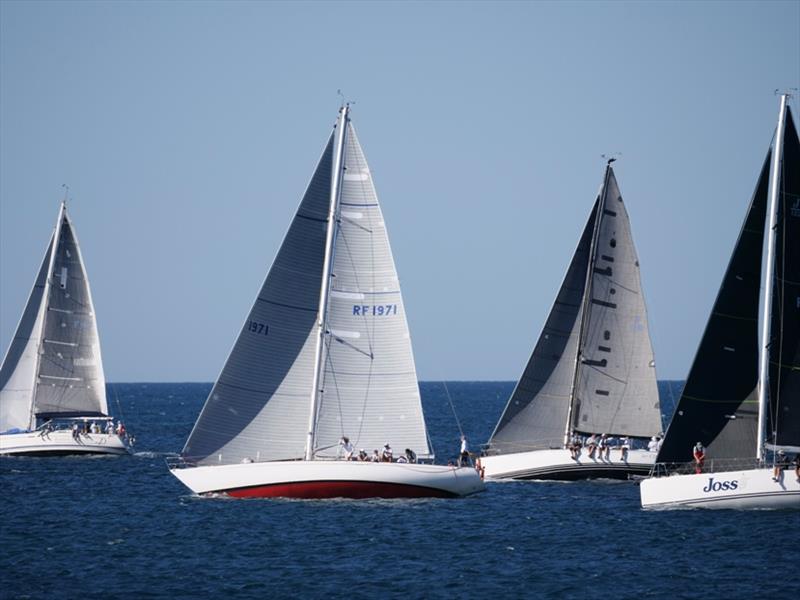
53, 366
369, 385
366, 387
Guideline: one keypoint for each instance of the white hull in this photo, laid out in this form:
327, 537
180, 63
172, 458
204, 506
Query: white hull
60, 442
750, 488
331, 479
558, 464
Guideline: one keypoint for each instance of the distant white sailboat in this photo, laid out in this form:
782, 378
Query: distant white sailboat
742, 399
325, 353
592, 371
52, 385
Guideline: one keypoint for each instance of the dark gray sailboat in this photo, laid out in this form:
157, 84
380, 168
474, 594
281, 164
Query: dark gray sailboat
592, 370
741, 401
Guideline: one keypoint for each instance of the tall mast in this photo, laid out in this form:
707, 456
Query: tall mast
45, 297
322, 313
587, 294
766, 315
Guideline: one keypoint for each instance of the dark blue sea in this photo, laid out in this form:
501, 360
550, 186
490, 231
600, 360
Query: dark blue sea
123, 527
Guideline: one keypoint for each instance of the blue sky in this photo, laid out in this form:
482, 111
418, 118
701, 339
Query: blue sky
187, 132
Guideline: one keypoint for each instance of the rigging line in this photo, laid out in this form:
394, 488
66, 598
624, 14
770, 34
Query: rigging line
453, 408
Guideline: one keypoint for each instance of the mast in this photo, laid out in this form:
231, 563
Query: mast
585, 301
45, 298
322, 313
766, 318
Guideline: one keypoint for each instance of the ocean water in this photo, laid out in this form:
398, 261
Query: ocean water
123, 527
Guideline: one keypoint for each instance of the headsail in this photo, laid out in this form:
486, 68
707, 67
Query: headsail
537, 410
258, 407
18, 372
719, 405
369, 382
70, 379
783, 422
615, 386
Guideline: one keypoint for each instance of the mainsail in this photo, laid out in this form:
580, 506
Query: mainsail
593, 364
53, 367
369, 386
783, 422
615, 390
719, 405
259, 408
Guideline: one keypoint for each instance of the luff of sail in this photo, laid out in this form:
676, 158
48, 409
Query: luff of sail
258, 407
18, 372
70, 379
718, 406
537, 409
369, 382
783, 422
615, 385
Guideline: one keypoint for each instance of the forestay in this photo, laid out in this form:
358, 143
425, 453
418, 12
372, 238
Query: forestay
369, 381
258, 408
616, 390
536, 413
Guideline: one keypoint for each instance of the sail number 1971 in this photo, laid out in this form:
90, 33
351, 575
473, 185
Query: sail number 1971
374, 310
256, 327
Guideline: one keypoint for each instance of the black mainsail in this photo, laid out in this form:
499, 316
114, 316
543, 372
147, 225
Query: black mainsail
783, 422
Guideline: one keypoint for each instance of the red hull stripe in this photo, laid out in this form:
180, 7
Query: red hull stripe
338, 489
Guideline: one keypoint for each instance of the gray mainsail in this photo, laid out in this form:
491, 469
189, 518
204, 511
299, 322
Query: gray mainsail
537, 411
70, 379
615, 389
18, 372
258, 407
369, 382
592, 369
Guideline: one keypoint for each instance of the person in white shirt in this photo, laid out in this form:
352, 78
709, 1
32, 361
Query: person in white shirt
346, 448
463, 454
94, 427
386, 454
625, 446
375, 456
110, 427
591, 445
652, 445
604, 445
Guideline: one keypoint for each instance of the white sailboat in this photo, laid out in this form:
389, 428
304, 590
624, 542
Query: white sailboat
592, 371
52, 385
324, 354
742, 398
